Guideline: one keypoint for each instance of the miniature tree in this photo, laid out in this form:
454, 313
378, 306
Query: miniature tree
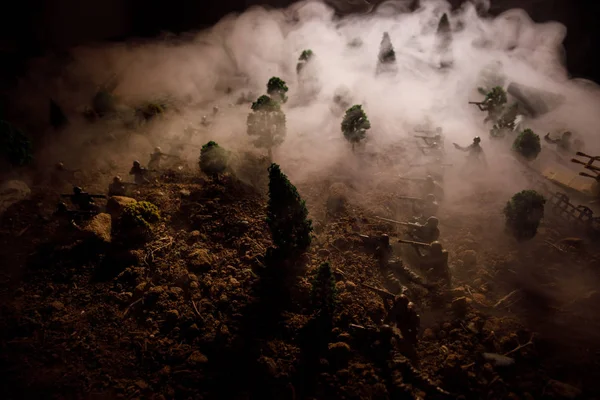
444, 25
523, 214
323, 290
58, 119
15, 147
355, 124
527, 144
267, 124
213, 160
304, 58
387, 56
103, 103
287, 214
276, 88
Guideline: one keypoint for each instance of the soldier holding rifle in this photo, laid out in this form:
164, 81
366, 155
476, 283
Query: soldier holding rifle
83, 200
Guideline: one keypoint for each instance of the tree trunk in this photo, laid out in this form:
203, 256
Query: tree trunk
270, 155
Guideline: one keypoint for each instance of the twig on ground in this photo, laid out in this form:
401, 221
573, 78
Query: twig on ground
519, 347
555, 246
196, 309
505, 298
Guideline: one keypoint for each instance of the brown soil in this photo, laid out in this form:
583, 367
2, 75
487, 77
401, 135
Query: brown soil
193, 314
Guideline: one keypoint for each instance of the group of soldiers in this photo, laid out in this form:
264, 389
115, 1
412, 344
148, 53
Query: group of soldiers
84, 203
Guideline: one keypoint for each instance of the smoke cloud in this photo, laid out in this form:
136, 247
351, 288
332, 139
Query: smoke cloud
236, 57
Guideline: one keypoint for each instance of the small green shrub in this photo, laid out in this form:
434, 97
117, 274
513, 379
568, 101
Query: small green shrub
304, 58
523, 214
387, 55
140, 215
287, 215
527, 144
213, 159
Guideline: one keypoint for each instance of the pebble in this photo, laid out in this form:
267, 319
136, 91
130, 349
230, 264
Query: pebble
428, 334
57, 305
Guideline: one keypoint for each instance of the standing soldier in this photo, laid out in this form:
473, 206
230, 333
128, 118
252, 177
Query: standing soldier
139, 173
475, 151
154, 163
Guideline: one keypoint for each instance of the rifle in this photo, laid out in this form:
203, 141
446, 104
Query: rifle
383, 293
394, 221
413, 243
410, 198
429, 163
93, 196
479, 105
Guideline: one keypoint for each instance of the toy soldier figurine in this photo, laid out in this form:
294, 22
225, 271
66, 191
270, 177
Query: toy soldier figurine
154, 163
432, 187
405, 316
139, 173
427, 232
71, 216
428, 208
215, 110
435, 262
83, 200
563, 144
117, 188
475, 151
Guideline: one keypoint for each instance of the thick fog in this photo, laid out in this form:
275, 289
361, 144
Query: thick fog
236, 57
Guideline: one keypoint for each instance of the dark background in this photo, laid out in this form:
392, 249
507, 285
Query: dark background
33, 27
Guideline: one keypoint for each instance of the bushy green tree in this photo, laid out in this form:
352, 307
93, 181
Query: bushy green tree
15, 147
266, 124
355, 124
527, 144
323, 291
277, 89
523, 214
213, 159
304, 58
287, 215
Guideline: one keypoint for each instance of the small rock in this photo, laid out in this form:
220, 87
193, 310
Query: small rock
564, 390
341, 243
197, 358
141, 384
323, 253
19, 292
428, 334
185, 193
268, 365
194, 285
350, 286
234, 282
99, 227
339, 353
200, 259
195, 234
57, 306
340, 287
469, 258
192, 278
460, 306
172, 315
193, 330
344, 337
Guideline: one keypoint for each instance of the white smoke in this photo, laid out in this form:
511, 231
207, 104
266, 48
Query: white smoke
241, 52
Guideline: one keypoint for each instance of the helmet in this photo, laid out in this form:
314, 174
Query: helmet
476, 139
77, 190
436, 247
386, 330
136, 163
434, 144
62, 207
430, 197
60, 166
157, 150
117, 179
429, 178
215, 109
432, 221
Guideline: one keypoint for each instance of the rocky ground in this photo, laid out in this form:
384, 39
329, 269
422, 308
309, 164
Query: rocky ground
192, 314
